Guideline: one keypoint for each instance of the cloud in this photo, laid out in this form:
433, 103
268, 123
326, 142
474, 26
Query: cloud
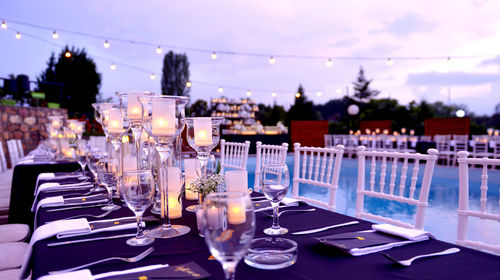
408, 24
452, 78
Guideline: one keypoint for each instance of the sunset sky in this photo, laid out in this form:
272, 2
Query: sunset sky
465, 30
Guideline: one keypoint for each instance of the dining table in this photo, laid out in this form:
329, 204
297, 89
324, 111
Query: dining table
314, 260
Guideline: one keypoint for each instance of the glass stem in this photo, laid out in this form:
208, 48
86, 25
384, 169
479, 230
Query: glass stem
164, 151
137, 131
229, 271
110, 194
276, 211
203, 158
140, 229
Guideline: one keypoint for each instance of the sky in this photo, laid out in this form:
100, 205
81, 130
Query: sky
428, 30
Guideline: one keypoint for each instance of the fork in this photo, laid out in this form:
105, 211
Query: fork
409, 261
130, 260
88, 215
295, 210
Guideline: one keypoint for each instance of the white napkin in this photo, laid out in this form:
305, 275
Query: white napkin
286, 201
25, 161
55, 186
412, 234
86, 275
43, 176
65, 229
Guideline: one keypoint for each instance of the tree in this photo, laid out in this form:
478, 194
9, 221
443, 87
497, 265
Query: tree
71, 81
362, 91
175, 74
302, 109
198, 109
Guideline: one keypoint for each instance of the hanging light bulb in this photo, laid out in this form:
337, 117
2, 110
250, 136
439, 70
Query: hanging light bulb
4, 25
159, 50
67, 54
221, 90
214, 55
112, 66
329, 63
272, 60
273, 94
189, 84
55, 35
389, 62
249, 93
319, 93
106, 44
18, 35
153, 76
297, 95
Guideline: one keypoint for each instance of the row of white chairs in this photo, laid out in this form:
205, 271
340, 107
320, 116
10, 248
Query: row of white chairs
16, 152
320, 167
380, 142
450, 145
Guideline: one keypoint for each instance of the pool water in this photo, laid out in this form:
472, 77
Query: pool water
441, 214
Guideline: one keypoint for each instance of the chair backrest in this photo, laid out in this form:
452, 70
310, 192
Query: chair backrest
3, 160
268, 154
425, 138
319, 167
459, 137
442, 143
496, 146
400, 193
328, 140
480, 148
461, 143
464, 212
337, 139
20, 149
13, 152
402, 141
234, 155
442, 138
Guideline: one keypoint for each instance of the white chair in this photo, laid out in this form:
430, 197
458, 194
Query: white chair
464, 212
393, 192
3, 160
234, 155
461, 144
425, 138
351, 144
328, 140
13, 152
319, 167
496, 146
443, 146
20, 149
268, 154
480, 148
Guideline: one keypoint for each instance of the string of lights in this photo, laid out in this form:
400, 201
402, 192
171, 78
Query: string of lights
153, 75
214, 54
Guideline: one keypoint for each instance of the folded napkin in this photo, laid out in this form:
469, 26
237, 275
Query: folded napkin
189, 270
266, 205
70, 228
382, 237
54, 186
43, 176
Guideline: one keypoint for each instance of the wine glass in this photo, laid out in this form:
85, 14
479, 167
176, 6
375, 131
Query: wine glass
81, 156
228, 226
92, 159
275, 180
108, 171
138, 190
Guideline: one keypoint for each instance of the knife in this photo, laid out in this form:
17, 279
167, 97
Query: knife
89, 239
324, 228
76, 207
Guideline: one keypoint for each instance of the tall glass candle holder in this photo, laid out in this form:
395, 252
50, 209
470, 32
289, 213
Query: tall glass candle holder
129, 102
56, 122
163, 118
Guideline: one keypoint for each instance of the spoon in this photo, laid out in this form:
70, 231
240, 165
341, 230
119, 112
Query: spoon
409, 261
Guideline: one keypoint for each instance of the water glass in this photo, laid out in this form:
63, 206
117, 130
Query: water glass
228, 226
138, 191
275, 180
108, 171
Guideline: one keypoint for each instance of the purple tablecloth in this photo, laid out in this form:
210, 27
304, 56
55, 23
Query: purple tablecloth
315, 261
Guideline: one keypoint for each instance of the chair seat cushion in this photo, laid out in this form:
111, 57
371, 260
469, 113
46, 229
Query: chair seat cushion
13, 232
12, 254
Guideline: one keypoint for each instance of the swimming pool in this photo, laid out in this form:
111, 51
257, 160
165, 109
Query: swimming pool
441, 214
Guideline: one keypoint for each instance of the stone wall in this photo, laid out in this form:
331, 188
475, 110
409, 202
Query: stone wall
27, 124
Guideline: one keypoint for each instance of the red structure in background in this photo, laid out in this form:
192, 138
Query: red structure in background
460, 126
373, 125
308, 133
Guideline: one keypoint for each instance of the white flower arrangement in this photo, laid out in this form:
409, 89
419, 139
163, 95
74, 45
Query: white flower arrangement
207, 184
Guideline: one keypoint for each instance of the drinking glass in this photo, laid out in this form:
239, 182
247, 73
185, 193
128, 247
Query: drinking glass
275, 180
81, 156
108, 171
138, 190
229, 227
92, 158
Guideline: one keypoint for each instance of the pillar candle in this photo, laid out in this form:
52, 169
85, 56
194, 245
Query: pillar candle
174, 187
213, 218
236, 213
115, 121
163, 117
174, 206
133, 107
192, 167
236, 180
202, 131
190, 194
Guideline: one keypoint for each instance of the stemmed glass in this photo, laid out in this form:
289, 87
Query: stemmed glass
132, 113
108, 171
101, 115
228, 226
163, 118
275, 180
81, 156
92, 159
203, 134
138, 191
